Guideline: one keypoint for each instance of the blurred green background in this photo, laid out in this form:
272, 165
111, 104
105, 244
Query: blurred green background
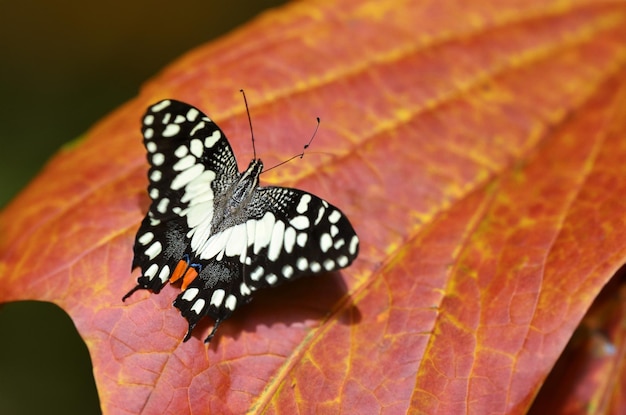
65, 65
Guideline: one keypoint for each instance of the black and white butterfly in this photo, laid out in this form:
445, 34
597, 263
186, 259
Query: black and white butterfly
216, 229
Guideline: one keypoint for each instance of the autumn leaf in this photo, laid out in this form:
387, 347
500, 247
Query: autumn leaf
477, 148
589, 375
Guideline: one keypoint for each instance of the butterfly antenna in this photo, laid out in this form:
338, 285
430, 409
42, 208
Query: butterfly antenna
245, 101
300, 155
312, 137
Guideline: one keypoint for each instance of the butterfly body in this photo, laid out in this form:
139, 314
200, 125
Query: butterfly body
217, 229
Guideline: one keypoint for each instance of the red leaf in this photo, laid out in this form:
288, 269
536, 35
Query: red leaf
589, 375
479, 152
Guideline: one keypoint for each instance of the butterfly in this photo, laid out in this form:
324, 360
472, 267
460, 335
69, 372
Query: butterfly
216, 229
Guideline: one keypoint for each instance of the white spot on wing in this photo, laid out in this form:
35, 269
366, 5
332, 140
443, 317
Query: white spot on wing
158, 159
151, 271
201, 215
250, 231
244, 289
192, 114
201, 185
151, 146
171, 130
146, 238
302, 263
190, 294
196, 147
218, 297
263, 231
214, 247
181, 151
148, 119
257, 273
212, 139
198, 213
342, 261
320, 215
354, 243
300, 222
301, 239
329, 264
231, 302
186, 176
154, 250
287, 271
185, 163
289, 239
334, 217
271, 279
198, 126
161, 105
237, 241
156, 175
276, 243
303, 205
162, 206
315, 267
198, 306
326, 241
164, 275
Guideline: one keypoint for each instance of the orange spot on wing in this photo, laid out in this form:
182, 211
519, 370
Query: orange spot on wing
184, 271
189, 276
179, 271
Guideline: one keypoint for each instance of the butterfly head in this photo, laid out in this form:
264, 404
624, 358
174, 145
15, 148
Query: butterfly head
248, 181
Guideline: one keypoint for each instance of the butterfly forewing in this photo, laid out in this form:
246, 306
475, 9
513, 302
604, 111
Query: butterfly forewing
217, 229
190, 158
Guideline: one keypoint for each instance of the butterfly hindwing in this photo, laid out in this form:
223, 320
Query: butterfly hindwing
217, 229
308, 236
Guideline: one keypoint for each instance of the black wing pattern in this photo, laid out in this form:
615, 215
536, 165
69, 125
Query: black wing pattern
190, 161
217, 229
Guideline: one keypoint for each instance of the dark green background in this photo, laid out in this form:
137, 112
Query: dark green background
64, 65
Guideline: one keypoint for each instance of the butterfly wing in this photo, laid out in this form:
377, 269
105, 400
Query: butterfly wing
287, 233
308, 236
191, 164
